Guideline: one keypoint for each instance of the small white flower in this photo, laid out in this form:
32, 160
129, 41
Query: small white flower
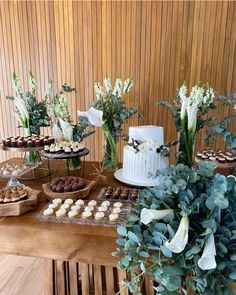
207, 260
183, 91
128, 84
67, 130
107, 83
147, 215
196, 95
192, 117
209, 96
117, 91
94, 116
56, 132
98, 90
148, 145
180, 239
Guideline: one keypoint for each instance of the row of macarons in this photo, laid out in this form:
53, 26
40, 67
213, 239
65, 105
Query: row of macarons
89, 210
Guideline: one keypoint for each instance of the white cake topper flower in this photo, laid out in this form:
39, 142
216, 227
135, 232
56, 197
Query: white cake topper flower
180, 239
147, 215
207, 260
94, 116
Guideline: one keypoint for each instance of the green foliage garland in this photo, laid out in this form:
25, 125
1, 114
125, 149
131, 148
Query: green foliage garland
209, 201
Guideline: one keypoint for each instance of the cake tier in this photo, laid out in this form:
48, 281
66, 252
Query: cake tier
137, 167
147, 132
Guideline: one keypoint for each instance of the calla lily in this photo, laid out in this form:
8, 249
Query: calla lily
185, 102
67, 130
94, 116
207, 261
21, 107
147, 215
56, 132
192, 117
180, 239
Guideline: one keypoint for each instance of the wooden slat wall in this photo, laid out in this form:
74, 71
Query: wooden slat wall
159, 44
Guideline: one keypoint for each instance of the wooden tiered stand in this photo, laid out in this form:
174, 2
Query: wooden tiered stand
77, 257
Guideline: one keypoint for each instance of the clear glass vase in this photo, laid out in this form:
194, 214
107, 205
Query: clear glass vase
110, 154
32, 157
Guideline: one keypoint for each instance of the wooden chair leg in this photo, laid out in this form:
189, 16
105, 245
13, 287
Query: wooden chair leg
49, 282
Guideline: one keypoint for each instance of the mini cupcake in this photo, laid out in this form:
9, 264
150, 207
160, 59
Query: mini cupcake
92, 203
61, 212
117, 205
57, 201
86, 214
113, 217
48, 212
69, 201
67, 150
99, 216
102, 209
46, 148
73, 214
79, 202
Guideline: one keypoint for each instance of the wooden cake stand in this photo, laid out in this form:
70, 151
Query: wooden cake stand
67, 157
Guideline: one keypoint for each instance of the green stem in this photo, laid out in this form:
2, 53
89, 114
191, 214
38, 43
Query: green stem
114, 156
186, 143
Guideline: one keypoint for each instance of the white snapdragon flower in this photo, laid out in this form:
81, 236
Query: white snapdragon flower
128, 84
107, 83
207, 260
98, 90
192, 117
147, 215
196, 95
117, 91
183, 91
180, 239
209, 96
94, 116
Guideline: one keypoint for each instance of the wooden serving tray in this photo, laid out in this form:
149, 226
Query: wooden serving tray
21, 207
80, 194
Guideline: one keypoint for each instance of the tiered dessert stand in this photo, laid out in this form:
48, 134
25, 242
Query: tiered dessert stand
41, 169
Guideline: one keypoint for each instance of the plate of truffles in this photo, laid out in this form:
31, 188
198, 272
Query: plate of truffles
68, 187
90, 212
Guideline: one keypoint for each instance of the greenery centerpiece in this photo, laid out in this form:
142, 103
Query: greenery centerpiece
31, 113
183, 232
110, 112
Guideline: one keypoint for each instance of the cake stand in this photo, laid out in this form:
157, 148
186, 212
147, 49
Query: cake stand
37, 167
119, 176
64, 156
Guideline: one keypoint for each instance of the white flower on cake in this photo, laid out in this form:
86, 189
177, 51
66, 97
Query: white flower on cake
148, 145
180, 239
207, 261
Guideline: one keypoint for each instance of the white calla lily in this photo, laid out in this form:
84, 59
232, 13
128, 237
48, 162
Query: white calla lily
184, 105
94, 116
147, 215
67, 130
21, 107
56, 132
192, 117
207, 260
180, 239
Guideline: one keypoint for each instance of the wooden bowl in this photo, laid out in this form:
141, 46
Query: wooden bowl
21, 207
80, 194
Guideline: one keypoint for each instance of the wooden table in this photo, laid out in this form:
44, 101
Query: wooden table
77, 257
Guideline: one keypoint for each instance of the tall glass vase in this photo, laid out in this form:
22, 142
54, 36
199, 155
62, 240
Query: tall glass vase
186, 150
110, 156
31, 157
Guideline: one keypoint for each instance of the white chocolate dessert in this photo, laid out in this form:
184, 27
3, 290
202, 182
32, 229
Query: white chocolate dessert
92, 203
79, 202
48, 212
69, 202
117, 205
99, 216
86, 214
57, 201
138, 166
73, 214
113, 217
102, 209
61, 212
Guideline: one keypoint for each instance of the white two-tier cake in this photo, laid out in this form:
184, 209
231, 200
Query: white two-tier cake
140, 167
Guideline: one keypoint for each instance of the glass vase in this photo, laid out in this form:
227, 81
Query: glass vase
110, 154
31, 157
186, 151
74, 164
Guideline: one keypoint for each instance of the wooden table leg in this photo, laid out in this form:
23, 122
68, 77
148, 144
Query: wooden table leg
49, 281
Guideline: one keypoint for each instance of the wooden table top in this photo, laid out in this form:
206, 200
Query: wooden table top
25, 235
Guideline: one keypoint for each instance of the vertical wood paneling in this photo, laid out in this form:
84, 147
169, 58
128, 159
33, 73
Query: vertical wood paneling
159, 44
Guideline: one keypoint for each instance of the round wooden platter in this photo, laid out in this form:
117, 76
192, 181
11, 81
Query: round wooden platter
21, 207
218, 164
65, 156
80, 194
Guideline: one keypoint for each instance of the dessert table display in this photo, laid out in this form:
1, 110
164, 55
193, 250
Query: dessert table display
77, 257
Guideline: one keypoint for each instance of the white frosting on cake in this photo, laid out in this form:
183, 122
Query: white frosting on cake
148, 132
138, 166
